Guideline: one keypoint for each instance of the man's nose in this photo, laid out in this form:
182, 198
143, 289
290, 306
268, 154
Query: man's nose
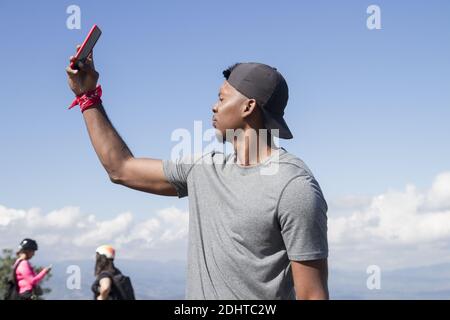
214, 107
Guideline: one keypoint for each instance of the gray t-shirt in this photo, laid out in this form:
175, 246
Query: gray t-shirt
246, 224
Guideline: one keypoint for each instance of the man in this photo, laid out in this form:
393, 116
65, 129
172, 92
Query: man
251, 235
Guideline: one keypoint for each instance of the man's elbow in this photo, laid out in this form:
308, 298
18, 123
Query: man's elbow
116, 174
116, 179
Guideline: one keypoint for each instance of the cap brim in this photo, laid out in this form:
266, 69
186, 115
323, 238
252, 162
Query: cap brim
274, 121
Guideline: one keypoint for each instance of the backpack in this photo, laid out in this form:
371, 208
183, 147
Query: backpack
12, 288
123, 285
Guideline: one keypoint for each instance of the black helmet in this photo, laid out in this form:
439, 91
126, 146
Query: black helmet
28, 244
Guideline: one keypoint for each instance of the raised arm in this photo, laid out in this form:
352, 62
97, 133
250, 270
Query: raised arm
122, 167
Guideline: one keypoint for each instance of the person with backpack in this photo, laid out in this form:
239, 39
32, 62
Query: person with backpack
110, 283
23, 283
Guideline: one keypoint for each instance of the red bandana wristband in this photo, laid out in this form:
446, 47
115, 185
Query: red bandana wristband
88, 99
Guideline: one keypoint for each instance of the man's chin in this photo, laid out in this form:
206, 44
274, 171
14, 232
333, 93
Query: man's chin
219, 136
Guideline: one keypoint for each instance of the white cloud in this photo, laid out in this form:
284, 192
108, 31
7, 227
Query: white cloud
104, 231
439, 194
395, 229
67, 233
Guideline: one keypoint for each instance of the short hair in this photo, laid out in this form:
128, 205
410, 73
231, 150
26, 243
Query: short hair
102, 264
227, 72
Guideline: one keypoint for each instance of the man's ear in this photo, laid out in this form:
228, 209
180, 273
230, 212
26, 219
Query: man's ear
249, 107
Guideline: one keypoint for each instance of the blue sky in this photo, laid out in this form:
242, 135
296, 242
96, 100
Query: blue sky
369, 111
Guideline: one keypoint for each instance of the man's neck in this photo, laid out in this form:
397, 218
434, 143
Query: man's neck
251, 149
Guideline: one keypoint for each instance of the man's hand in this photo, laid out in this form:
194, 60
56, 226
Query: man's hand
310, 279
85, 79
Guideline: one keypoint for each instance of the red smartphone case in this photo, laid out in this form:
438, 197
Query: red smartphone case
73, 65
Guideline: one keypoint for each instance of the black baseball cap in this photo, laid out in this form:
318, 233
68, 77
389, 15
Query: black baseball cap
268, 87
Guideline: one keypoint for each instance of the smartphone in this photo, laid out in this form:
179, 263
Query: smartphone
87, 46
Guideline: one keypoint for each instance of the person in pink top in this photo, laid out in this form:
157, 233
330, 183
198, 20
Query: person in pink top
27, 280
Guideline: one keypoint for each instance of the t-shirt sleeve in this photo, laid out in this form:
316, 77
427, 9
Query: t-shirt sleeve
302, 214
177, 172
103, 275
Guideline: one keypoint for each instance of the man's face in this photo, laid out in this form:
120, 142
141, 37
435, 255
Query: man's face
228, 110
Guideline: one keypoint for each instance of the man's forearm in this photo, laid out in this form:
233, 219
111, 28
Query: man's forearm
109, 146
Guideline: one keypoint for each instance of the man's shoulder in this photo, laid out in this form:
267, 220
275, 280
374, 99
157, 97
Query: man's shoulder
293, 165
300, 182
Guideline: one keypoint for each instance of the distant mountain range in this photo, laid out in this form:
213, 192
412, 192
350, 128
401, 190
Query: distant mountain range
150, 279
428, 282
166, 280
